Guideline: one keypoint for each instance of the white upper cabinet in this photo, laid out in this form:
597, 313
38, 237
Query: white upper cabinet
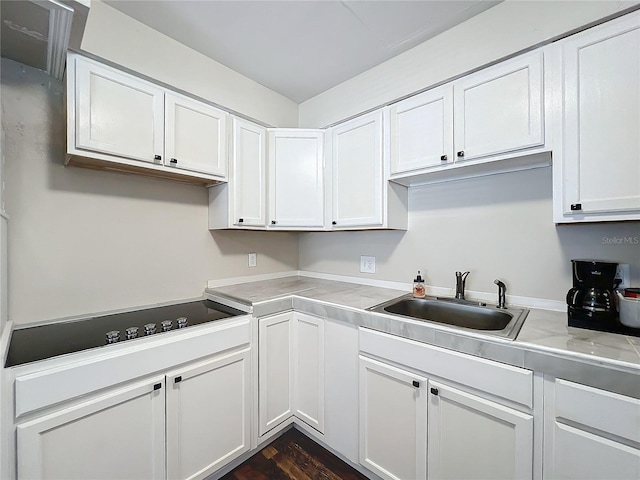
422, 130
117, 114
490, 121
500, 109
296, 179
248, 179
242, 202
597, 155
357, 172
195, 136
117, 121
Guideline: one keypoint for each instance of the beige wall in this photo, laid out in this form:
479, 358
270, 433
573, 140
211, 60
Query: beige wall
496, 227
501, 31
83, 241
111, 35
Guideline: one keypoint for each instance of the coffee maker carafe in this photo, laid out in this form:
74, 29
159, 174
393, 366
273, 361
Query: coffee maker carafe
591, 303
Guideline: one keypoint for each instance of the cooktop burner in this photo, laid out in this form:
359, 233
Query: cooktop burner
45, 341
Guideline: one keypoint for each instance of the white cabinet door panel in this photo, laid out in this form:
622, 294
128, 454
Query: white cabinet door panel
601, 84
208, 415
580, 455
393, 421
195, 136
119, 435
422, 130
474, 438
308, 369
296, 183
274, 371
248, 180
357, 165
118, 114
500, 109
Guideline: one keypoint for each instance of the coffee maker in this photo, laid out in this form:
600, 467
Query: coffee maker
592, 303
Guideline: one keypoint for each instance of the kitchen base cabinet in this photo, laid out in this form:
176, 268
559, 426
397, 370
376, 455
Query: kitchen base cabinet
308, 370
590, 433
495, 441
116, 435
393, 421
275, 371
208, 415
341, 388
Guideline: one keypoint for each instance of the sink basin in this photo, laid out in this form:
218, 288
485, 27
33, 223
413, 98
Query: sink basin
489, 319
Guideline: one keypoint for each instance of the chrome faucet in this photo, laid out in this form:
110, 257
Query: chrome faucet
502, 291
461, 278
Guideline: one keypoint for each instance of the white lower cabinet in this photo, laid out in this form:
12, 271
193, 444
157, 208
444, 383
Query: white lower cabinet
290, 371
208, 412
308, 370
275, 395
429, 412
494, 441
393, 421
590, 433
116, 435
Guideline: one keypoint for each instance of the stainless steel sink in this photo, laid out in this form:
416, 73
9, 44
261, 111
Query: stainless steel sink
489, 319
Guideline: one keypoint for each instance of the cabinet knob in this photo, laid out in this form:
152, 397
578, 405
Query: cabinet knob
461, 153
177, 379
240, 220
273, 222
416, 384
157, 386
157, 158
334, 223
443, 158
434, 391
173, 160
576, 207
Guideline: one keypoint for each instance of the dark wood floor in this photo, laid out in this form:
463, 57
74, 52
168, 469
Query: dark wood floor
294, 456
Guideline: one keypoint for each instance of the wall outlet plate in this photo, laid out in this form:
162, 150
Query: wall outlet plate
367, 264
253, 259
622, 272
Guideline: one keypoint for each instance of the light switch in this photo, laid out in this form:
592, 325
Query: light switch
253, 259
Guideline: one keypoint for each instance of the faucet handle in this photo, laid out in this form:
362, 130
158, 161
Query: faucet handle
502, 290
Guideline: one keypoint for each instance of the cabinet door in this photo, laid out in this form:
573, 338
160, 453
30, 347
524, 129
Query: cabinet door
601, 143
195, 136
499, 109
247, 180
495, 441
357, 164
296, 169
118, 114
275, 395
393, 421
581, 455
118, 435
422, 130
208, 415
308, 369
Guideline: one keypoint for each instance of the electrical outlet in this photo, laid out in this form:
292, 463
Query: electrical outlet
367, 264
253, 259
622, 272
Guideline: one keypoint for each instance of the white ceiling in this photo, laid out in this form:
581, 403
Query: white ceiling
301, 48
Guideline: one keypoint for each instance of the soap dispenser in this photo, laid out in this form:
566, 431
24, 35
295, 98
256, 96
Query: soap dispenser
418, 287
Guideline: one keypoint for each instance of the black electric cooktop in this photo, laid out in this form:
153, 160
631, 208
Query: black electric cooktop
46, 341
